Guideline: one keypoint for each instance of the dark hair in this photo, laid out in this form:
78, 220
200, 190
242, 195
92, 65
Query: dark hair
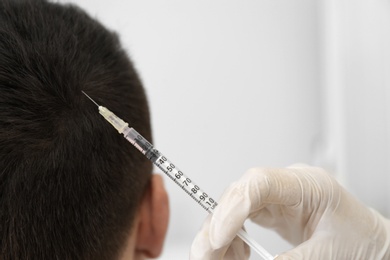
69, 183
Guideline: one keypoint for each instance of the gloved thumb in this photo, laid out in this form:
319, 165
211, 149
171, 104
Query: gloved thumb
202, 249
229, 217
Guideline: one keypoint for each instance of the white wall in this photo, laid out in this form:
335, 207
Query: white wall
366, 84
237, 84
356, 62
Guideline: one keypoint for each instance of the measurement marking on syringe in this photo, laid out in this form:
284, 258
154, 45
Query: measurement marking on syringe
138, 146
183, 187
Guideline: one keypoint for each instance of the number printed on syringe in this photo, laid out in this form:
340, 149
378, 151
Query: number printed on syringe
186, 184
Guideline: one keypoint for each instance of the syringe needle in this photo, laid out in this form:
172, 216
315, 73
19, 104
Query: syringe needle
90, 98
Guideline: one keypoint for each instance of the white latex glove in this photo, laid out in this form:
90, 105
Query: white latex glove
306, 206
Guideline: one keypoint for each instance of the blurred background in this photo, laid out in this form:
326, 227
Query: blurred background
239, 84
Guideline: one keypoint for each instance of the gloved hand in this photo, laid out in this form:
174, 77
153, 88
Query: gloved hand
306, 206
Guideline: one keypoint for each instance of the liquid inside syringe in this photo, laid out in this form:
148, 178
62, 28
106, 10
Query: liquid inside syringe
143, 145
170, 169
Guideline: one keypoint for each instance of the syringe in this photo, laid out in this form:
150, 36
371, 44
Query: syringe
170, 169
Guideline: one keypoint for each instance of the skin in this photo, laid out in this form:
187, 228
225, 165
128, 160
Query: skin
150, 225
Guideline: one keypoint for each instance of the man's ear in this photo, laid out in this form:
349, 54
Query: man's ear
153, 219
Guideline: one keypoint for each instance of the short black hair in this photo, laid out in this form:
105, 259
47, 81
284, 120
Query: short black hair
69, 183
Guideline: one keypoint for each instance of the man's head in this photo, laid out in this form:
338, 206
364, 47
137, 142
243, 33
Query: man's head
70, 186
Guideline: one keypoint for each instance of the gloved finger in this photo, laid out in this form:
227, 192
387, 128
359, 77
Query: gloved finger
238, 249
251, 193
201, 247
343, 238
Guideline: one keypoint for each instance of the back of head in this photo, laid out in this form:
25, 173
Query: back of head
69, 183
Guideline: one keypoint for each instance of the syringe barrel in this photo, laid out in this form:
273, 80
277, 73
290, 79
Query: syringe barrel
141, 143
170, 169
184, 182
